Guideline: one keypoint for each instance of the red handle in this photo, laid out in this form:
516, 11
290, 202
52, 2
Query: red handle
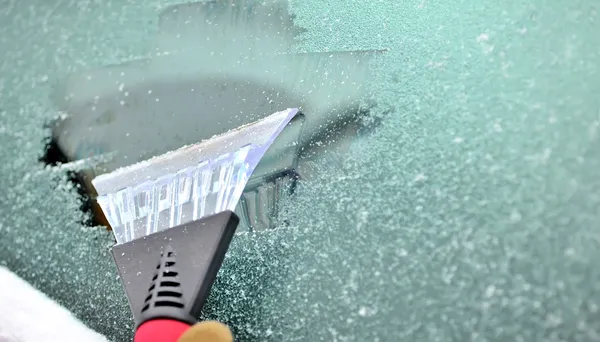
160, 330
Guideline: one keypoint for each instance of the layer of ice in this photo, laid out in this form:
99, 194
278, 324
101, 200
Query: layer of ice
413, 237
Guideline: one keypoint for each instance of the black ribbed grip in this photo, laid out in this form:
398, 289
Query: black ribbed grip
169, 274
165, 295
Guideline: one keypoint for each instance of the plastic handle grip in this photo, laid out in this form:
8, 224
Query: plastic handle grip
160, 330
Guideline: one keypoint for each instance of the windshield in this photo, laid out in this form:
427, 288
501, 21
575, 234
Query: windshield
443, 186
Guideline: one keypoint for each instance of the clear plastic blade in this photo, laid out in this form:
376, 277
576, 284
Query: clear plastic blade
186, 184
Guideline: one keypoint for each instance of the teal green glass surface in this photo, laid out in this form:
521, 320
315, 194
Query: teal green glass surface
461, 203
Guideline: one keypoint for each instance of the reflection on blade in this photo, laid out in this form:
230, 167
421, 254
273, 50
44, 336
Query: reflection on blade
186, 184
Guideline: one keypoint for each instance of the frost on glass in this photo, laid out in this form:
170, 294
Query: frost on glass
186, 184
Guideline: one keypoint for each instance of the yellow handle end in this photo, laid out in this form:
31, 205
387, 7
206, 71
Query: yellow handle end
207, 331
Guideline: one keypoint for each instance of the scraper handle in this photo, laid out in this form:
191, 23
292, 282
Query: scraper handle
160, 330
166, 330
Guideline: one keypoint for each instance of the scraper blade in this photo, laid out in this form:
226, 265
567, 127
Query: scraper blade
186, 184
